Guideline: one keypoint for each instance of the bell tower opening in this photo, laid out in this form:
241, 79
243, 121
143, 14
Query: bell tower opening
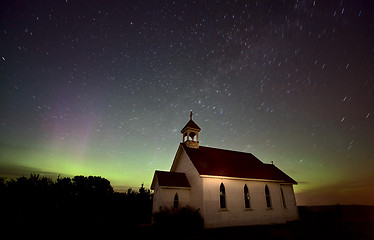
190, 134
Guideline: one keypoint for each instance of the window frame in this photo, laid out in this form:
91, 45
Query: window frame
269, 204
222, 197
283, 199
176, 201
247, 198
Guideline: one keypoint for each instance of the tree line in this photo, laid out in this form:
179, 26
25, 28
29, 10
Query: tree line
78, 202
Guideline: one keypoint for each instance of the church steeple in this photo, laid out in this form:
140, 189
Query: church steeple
190, 134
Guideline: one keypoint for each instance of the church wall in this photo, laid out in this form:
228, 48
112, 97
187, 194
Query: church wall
182, 163
291, 211
164, 197
236, 214
156, 199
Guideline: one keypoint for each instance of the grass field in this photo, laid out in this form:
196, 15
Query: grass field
317, 222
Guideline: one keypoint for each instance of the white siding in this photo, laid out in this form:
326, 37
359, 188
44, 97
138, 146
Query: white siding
236, 214
291, 212
182, 163
164, 197
156, 199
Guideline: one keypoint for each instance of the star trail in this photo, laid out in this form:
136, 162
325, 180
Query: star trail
104, 87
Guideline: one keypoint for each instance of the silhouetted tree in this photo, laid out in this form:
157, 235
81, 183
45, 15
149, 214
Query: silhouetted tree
2, 182
79, 201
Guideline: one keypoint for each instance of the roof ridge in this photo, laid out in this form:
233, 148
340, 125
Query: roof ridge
231, 150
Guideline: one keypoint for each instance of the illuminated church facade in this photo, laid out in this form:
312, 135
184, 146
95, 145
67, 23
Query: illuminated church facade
230, 188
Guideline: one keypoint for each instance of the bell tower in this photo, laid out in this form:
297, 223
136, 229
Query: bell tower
190, 134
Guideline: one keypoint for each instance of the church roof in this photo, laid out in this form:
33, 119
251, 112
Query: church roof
191, 124
221, 162
170, 179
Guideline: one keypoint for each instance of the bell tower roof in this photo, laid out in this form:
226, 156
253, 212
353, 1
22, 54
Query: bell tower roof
191, 125
191, 133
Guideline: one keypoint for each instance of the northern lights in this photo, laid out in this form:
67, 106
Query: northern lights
104, 88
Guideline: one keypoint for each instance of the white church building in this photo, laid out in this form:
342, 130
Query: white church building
230, 188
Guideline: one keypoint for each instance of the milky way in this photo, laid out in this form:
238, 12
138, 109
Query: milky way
104, 88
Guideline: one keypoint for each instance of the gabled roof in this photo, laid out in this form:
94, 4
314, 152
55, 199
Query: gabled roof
170, 179
221, 162
191, 124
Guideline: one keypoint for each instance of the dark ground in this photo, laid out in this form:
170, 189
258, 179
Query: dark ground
317, 222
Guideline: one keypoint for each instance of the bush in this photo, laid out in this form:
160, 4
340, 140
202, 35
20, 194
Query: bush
179, 219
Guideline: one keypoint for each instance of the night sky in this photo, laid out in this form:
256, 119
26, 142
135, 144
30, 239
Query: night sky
104, 87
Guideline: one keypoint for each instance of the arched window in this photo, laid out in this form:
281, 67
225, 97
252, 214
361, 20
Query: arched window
283, 200
247, 203
222, 196
176, 201
267, 196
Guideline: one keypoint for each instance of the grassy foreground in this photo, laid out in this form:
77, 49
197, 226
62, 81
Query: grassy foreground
316, 222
